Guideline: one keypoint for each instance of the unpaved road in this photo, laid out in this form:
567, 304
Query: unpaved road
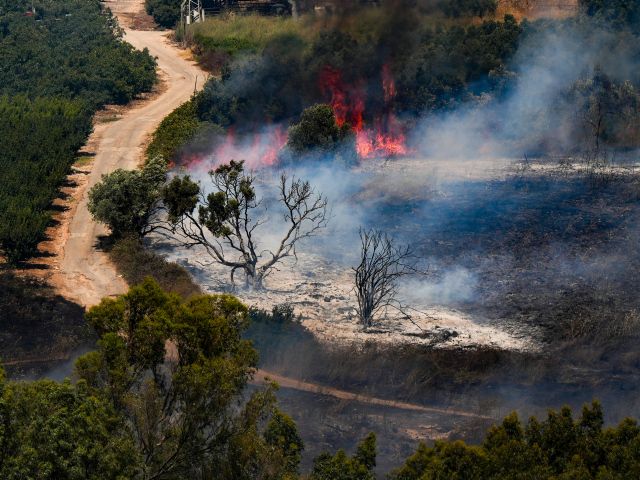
263, 376
85, 274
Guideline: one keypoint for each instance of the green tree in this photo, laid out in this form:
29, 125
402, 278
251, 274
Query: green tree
342, 467
619, 13
318, 132
225, 223
61, 431
282, 436
176, 370
127, 200
558, 447
166, 13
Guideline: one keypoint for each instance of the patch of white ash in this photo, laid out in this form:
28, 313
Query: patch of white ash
321, 293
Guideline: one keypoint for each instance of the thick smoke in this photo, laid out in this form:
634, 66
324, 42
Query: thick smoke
534, 114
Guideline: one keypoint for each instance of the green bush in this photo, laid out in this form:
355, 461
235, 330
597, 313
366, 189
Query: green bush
558, 447
179, 127
127, 200
166, 13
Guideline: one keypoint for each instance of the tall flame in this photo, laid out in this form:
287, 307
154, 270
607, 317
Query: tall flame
384, 138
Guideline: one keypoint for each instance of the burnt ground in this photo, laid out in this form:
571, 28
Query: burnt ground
557, 252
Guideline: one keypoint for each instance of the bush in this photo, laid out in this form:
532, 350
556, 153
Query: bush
280, 314
166, 13
127, 200
318, 132
179, 127
558, 447
135, 263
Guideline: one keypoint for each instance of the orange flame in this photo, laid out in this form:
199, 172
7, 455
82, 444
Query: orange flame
385, 137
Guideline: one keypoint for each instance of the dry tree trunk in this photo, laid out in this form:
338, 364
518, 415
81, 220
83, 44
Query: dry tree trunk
376, 277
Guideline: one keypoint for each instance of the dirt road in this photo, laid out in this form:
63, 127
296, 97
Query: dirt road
85, 274
263, 376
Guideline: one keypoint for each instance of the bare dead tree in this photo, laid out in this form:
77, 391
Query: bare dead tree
382, 263
223, 221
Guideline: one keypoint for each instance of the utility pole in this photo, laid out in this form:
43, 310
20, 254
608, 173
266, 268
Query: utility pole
191, 11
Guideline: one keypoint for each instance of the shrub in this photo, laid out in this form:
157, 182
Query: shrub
135, 263
166, 13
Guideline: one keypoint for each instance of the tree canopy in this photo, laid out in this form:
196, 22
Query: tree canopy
126, 200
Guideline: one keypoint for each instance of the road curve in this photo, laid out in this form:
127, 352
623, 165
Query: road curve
85, 273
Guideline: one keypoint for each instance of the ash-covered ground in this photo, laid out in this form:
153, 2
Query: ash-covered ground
516, 254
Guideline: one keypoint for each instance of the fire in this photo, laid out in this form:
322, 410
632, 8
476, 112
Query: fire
257, 150
385, 137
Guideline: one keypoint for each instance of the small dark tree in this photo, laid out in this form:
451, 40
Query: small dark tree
166, 13
319, 133
225, 225
382, 263
342, 467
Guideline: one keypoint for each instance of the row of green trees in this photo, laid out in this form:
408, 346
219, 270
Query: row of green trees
40, 139
61, 61
164, 397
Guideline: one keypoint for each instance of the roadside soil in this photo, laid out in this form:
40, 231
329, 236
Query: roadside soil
72, 260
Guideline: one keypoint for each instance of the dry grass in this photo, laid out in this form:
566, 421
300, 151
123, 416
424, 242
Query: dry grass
233, 34
224, 37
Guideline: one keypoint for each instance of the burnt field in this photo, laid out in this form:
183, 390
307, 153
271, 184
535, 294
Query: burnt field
544, 253
554, 250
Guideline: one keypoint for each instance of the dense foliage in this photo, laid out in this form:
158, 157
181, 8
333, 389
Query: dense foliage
176, 129
39, 140
340, 466
35, 53
620, 13
125, 200
435, 67
158, 399
318, 132
558, 447
47, 100
166, 13
434, 70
